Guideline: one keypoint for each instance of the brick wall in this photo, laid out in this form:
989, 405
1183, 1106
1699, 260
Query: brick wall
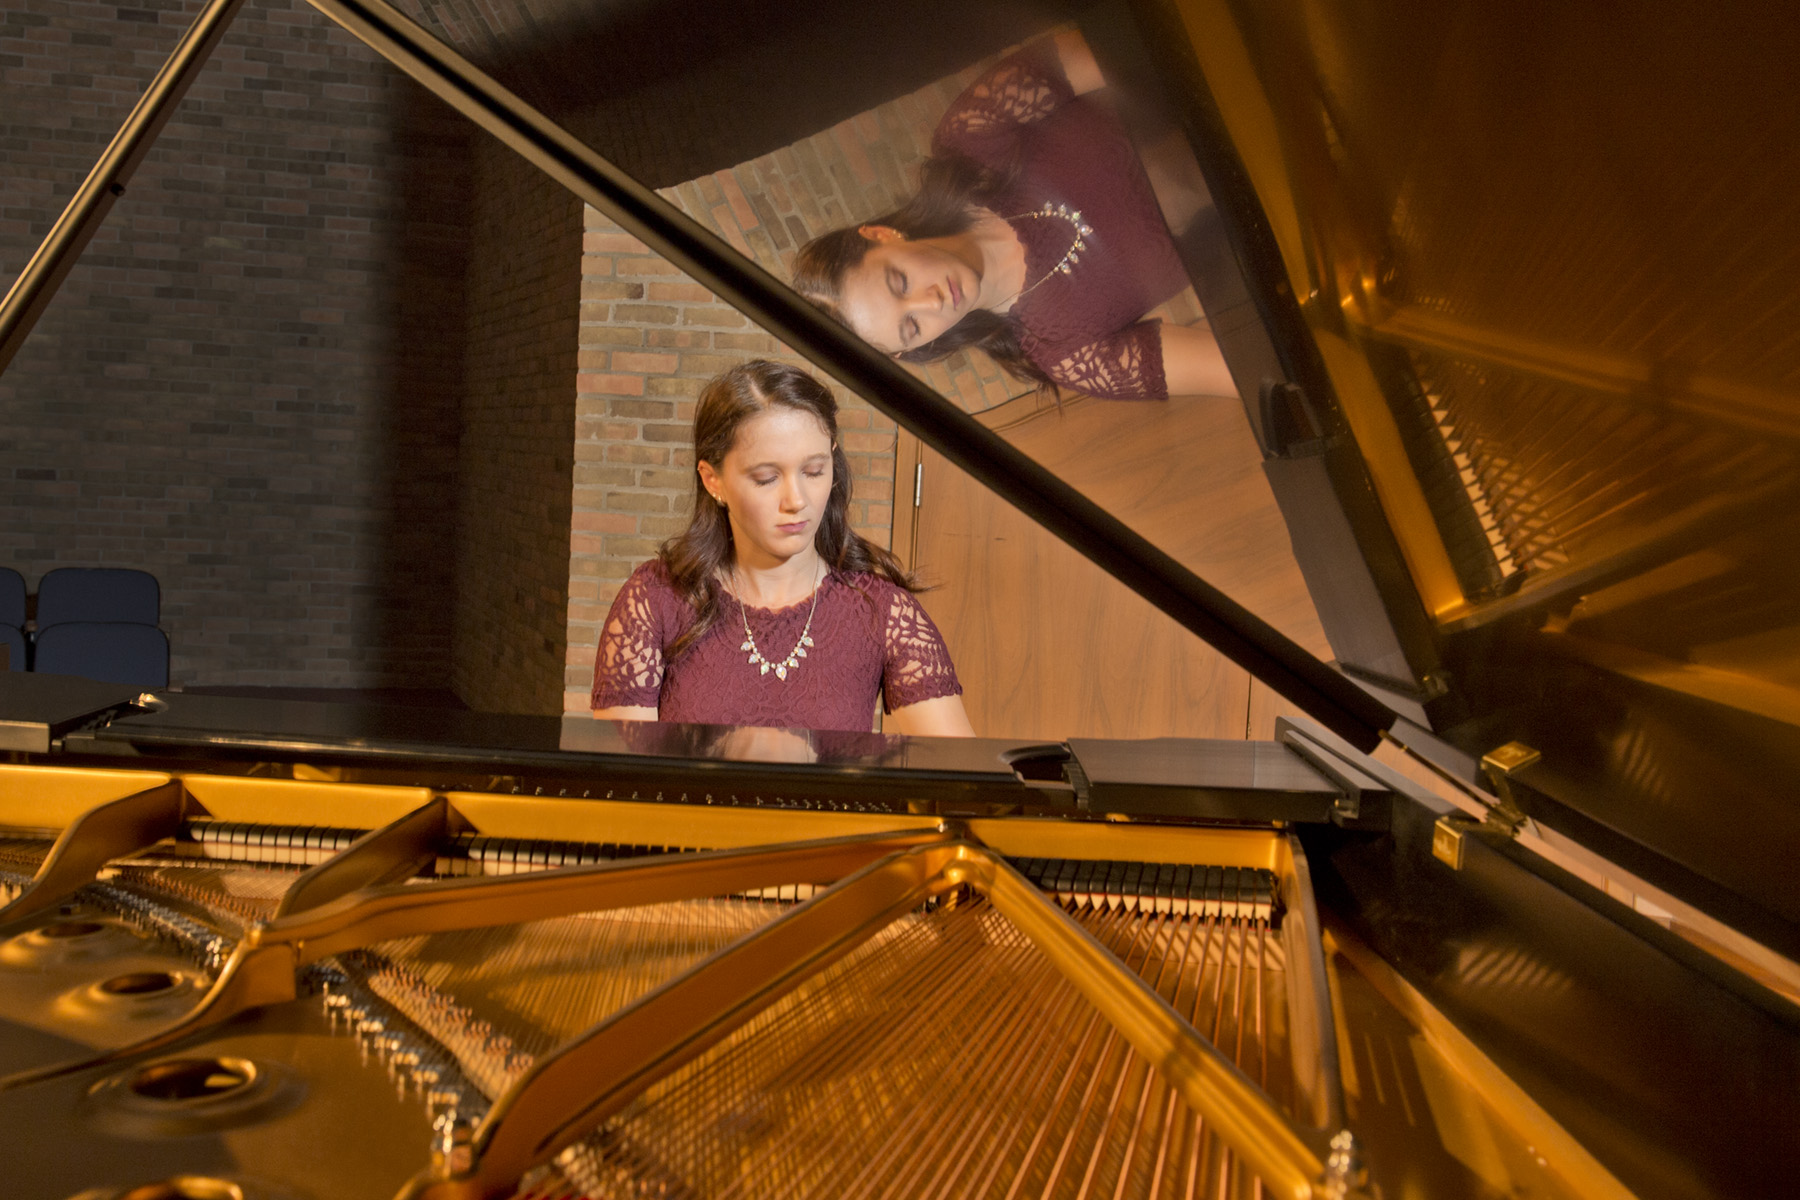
512, 517
651, 338
239, 387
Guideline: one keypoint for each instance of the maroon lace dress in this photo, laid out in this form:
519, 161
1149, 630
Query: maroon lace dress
869, 638
1085, 329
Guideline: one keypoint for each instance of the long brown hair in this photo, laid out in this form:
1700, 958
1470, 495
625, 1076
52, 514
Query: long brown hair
952, 190
700, 553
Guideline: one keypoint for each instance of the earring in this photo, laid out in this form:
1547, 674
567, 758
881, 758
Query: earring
719, 500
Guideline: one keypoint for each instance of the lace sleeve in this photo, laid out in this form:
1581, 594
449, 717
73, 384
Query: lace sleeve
628, 669
1128, 365
1024, 87
917, 664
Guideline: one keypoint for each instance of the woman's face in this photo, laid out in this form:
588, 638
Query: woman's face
775, 481
905, 293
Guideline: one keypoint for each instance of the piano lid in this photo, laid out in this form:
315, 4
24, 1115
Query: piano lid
1506, 296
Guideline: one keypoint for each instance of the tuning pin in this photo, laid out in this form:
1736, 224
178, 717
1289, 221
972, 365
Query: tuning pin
454, 1149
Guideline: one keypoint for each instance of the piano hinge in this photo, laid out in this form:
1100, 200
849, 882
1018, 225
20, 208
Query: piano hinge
1504, 817
1348, 805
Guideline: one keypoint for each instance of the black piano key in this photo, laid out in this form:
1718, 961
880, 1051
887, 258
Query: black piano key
1165, 887
1100, 886
1127, 890
1085, 885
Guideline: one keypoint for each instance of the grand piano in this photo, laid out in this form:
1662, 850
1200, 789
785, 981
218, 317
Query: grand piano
1505, 907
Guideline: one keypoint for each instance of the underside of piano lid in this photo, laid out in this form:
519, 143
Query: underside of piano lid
1510, 295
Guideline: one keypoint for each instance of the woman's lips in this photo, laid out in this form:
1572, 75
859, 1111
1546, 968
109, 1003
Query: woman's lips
956, 295
796, 527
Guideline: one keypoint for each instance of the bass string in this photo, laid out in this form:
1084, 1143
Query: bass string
1115, 1057
811, 1060
541, 982
845, 1086
718, 1119
972, 1040
229, 899
1234, 1009
1121, 1135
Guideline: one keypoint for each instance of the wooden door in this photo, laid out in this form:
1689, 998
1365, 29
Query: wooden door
1049, 646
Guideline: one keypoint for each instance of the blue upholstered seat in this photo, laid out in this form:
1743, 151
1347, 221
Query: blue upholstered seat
110, 651
97, 594
12, 598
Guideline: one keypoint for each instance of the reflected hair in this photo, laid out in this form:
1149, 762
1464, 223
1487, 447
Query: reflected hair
698, 556
953, 190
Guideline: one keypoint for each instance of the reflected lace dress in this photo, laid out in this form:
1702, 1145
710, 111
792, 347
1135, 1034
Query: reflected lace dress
1084, 328
869, 637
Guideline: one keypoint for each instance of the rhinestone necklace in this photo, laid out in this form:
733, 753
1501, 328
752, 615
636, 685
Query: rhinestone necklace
792, 661
1067, 263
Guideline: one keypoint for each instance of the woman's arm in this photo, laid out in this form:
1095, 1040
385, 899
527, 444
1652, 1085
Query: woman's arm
625, 712
1078, 64
628, 663
1192, 364
942, 717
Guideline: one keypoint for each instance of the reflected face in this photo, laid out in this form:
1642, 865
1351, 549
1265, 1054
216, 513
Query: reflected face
775, 481
905, 293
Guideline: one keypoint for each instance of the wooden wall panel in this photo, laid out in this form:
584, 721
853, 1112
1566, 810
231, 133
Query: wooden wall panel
1047, 644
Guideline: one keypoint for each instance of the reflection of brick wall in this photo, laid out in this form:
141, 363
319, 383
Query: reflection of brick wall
651, 338
224, 391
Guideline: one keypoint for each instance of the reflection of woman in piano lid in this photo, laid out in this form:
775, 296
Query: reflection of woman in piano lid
770, 609
1034, 235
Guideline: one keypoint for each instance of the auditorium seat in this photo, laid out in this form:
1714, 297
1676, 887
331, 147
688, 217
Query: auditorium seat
110, 651
97, 594
12, 618
100, 623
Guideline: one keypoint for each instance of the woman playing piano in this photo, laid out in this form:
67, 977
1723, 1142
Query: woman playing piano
769, 609
1034, 235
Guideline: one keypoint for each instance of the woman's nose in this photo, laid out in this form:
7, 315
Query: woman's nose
926, 299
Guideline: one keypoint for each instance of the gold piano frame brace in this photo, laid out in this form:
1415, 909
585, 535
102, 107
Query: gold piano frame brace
884, 866
1236, 632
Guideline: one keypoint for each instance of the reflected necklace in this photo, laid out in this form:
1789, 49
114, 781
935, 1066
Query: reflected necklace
792, 661
1066, 264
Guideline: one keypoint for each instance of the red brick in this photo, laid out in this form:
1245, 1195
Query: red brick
658, 364
736, 200
603, 522
612, 243
610, 385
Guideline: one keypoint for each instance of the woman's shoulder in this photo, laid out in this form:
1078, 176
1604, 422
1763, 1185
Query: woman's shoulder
649, 580
869, 583
1021, 89
651, 586
653, 572
884, 598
